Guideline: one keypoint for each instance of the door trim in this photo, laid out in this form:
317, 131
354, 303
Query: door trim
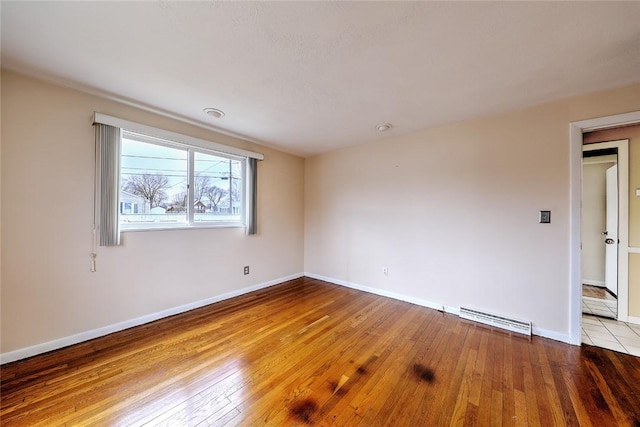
623, 221
576, 129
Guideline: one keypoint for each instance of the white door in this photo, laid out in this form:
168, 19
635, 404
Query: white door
611, 233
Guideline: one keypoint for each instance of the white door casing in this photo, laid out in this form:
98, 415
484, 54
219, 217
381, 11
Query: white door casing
610, 236
576, 146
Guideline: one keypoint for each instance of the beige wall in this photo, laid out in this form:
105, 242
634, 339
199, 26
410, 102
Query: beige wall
632, 133
47, 202
453, 211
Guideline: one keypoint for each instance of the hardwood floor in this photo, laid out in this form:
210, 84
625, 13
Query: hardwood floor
596, 292
310, 353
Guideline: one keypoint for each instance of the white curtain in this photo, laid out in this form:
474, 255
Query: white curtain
108, 141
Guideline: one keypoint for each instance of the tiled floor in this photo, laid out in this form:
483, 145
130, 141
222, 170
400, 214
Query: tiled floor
600, 307
611, 334
596, 300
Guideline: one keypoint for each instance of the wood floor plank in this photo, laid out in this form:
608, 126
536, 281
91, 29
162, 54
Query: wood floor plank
409, 387
578, 406
455, 376
462, 401
507, 389
496, 408
486, 380
306, 352
554, 391
532, 393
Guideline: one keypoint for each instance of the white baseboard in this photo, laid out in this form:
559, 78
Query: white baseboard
598, 283
634, 320
556, 336
553, 335
381, 292
23, 353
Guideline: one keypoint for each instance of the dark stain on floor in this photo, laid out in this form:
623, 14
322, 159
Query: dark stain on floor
304, 410
424, 373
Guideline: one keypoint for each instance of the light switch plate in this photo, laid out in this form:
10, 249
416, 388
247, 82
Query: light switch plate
638, 192
545, 217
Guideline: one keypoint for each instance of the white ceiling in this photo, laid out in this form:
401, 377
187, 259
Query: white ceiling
310, 77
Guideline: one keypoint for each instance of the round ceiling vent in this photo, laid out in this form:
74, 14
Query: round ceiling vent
214, 112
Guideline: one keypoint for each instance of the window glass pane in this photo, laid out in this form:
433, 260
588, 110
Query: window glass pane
155, 178
218, 188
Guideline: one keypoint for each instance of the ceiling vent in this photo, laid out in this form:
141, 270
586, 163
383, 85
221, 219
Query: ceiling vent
214, 112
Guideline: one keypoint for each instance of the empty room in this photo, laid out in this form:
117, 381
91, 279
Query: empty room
320, 213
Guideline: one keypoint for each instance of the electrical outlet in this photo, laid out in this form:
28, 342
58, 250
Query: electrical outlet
246, 270
385, 271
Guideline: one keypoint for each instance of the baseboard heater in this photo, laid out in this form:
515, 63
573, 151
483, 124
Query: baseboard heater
513, 325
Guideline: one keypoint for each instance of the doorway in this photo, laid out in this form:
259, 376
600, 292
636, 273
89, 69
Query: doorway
600, 206
604, 237
576, 131
604, 231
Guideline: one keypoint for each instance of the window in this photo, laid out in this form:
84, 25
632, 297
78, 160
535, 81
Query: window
164, 184
148, 178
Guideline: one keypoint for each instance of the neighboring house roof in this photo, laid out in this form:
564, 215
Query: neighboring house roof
132, 196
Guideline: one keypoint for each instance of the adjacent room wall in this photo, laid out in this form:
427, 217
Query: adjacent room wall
632, 133
453, 211
48, 292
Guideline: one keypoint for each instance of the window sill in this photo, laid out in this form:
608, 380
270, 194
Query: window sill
166, 227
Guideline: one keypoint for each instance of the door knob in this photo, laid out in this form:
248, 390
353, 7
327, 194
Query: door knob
609, 241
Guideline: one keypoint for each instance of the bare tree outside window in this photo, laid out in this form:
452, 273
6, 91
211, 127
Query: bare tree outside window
215, 196
150, 186
201, 187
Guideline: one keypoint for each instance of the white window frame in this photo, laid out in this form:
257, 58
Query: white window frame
190, 211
